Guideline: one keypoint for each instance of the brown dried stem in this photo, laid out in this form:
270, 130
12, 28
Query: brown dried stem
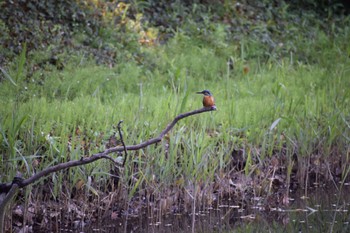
122, 140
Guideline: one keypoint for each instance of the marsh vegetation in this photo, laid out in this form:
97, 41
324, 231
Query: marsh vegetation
280, 77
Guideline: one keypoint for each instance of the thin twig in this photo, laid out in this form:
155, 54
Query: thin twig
122, 140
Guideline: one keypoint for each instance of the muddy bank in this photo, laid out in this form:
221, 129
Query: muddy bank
269, 186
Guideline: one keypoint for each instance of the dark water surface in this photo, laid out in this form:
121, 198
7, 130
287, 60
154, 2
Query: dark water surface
322, 210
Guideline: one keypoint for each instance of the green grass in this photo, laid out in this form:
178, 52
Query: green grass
39, 116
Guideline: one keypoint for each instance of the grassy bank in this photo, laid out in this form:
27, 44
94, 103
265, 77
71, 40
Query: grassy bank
285, 109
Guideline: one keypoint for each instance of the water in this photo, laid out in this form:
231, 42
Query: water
322, 210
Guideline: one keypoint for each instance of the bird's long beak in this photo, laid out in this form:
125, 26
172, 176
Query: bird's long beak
199, 92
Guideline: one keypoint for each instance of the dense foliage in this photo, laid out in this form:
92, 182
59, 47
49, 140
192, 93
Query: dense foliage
103, 28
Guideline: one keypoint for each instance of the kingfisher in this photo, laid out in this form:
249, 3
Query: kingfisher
208, 99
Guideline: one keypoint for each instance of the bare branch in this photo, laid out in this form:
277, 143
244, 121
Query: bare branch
62, 166
5, 187
162, 134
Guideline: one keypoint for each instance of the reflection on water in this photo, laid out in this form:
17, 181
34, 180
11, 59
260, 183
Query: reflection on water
322, 210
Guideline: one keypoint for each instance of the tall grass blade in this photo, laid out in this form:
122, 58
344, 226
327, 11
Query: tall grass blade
8, 77
274, 124
21, 63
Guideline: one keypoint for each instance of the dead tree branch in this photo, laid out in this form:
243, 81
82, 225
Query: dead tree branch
5, 187
9, 190
162, 134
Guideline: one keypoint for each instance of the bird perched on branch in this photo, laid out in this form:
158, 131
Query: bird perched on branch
208, 99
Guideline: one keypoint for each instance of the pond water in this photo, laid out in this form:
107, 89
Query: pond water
322, 210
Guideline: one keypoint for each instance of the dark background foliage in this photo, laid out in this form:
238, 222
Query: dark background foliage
51, 23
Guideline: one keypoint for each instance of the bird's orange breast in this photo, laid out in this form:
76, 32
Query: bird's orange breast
208, 101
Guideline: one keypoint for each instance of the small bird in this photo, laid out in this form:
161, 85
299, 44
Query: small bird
208, 99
